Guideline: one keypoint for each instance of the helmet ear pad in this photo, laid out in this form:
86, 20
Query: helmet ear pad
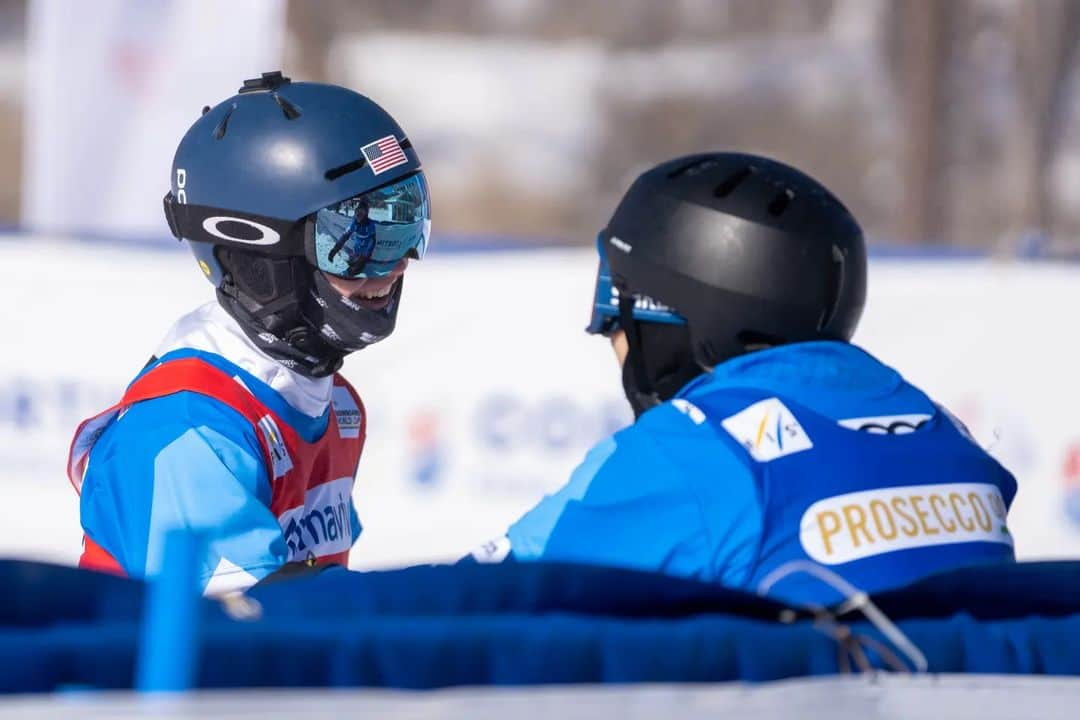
269, 288
261, 278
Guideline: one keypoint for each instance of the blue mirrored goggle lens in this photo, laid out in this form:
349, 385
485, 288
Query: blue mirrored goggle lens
368, 235
605, 307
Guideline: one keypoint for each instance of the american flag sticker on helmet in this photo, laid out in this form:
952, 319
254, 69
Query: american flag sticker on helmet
384, 154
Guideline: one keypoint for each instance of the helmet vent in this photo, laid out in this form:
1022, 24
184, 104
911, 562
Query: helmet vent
695, 166
733, 181
291, 111
223, 126
780, 202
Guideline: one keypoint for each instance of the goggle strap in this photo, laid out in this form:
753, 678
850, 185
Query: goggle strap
189, 222
634, 355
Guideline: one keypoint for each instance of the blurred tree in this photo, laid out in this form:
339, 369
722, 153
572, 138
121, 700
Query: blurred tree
310, 32
12, 47
922, 37
1047, 38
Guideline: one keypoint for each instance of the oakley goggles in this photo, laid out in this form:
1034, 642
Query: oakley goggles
368, 235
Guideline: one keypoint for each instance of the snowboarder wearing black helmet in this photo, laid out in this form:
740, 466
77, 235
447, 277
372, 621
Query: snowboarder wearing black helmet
764, 441
240, 426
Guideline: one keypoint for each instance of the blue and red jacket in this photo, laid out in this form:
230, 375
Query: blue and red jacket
197, 442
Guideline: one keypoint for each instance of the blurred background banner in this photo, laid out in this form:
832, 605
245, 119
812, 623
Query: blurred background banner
110, 87
489, 392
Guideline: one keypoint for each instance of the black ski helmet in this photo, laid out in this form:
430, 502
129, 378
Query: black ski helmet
709, 256
265, 188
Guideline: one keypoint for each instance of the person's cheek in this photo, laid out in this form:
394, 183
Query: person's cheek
619, 346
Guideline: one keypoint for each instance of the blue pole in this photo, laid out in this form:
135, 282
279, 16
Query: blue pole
168, 643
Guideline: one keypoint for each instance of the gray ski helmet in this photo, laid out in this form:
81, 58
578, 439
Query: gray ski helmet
264, 187
743, 250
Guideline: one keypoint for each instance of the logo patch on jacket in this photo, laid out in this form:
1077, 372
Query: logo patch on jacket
493, 551
346, 412
861, 524
768, 430
323, 524
279, 456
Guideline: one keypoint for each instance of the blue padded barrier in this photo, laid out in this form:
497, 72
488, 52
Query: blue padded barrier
432, 627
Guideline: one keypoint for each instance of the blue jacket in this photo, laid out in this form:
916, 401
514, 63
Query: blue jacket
813, 451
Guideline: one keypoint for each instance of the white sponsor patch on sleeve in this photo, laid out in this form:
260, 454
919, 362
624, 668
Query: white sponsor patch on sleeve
493, 551
887, 424
768, 430
690, 410
862, 524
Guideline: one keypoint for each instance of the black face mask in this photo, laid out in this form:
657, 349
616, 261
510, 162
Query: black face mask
659, 363
293, 314
344, 324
